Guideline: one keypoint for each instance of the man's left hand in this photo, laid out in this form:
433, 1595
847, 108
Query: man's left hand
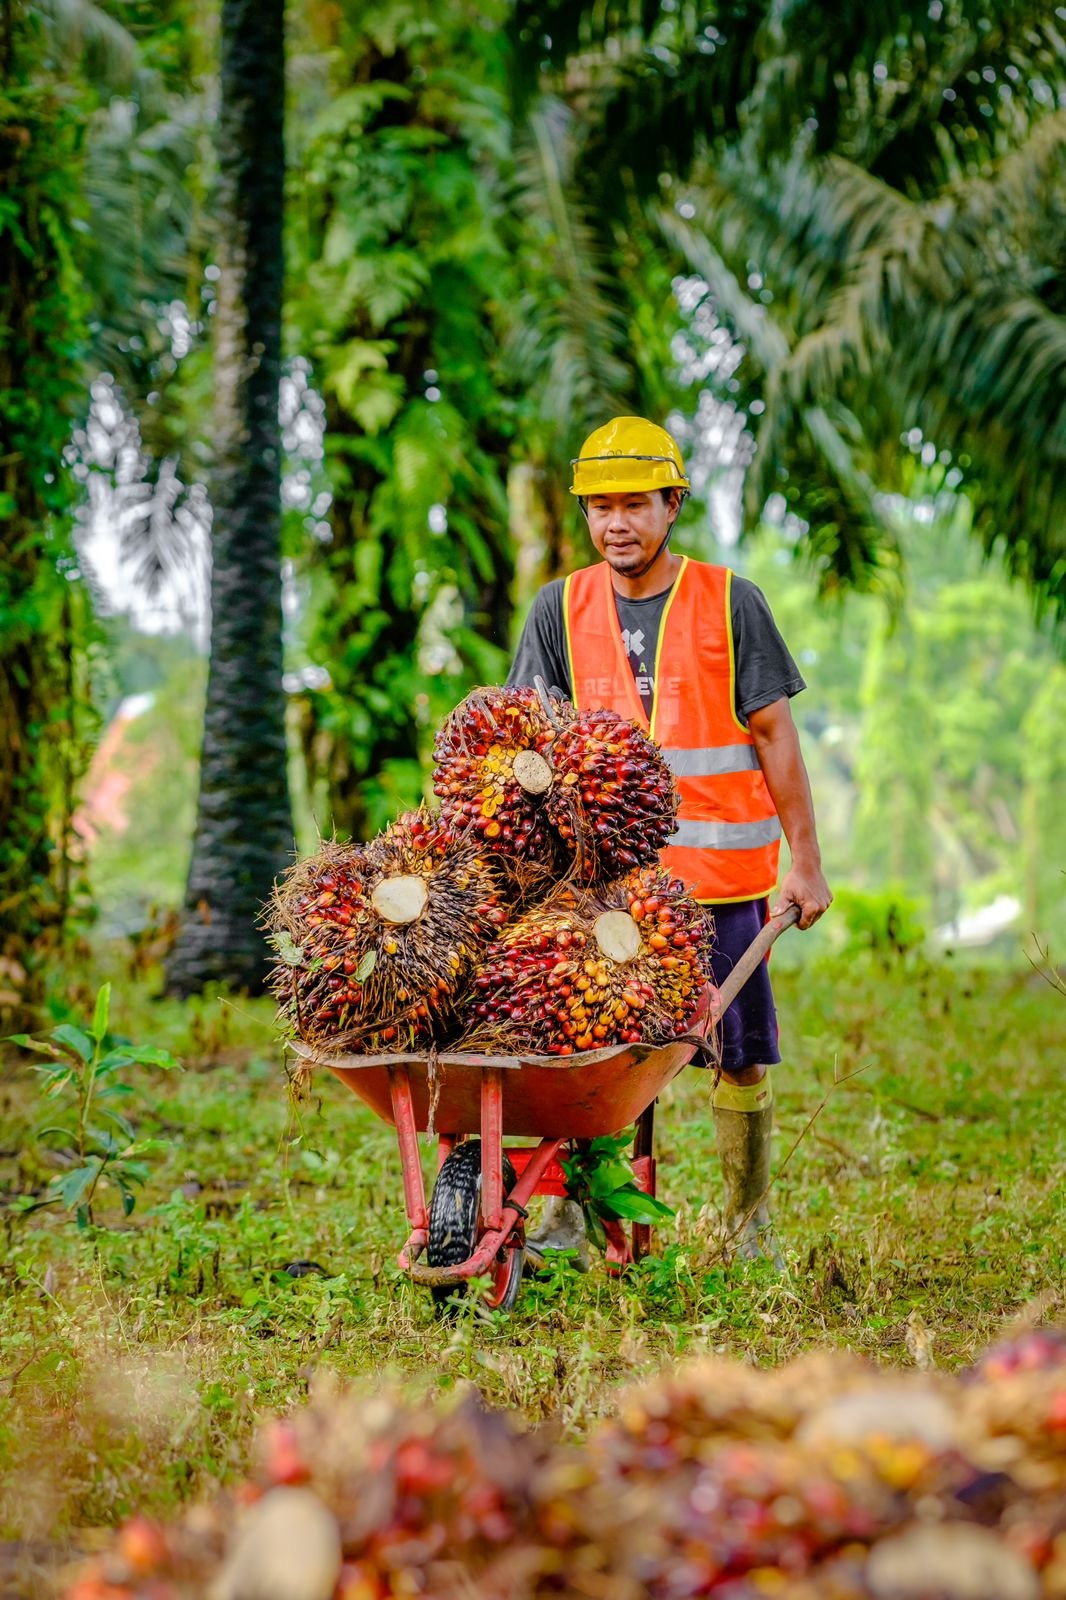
804, 887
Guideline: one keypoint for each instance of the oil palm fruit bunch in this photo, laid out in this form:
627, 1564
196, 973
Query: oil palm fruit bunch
612, 799
374, 941
491, 771
586, 968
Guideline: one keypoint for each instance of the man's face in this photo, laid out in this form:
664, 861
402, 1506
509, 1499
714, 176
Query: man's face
628, 529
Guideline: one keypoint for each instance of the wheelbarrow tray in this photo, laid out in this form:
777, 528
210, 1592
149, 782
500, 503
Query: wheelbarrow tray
581, 1096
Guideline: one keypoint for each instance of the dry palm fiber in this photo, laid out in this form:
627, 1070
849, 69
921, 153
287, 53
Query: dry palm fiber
613, 801
374, 941
617, 964
491, 772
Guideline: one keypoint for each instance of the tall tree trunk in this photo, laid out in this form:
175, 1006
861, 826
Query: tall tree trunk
243, 827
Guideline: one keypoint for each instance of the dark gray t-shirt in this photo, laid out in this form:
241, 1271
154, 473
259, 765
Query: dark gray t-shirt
765, 670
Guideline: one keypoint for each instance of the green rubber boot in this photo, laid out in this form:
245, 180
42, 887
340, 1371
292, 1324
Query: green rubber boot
743, 1128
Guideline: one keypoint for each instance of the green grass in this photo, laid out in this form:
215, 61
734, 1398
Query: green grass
137, 1357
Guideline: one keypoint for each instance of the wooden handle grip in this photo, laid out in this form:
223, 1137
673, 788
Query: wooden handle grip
753, 955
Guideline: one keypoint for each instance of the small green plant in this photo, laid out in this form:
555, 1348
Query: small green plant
84, 1078
599, 1176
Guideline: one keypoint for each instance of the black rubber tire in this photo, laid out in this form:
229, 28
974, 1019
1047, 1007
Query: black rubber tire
454, 1225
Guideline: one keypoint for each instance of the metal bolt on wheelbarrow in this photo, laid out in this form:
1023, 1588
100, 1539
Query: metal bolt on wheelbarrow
474, 1224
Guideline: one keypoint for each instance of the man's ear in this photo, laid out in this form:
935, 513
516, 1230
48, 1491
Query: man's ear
676, 503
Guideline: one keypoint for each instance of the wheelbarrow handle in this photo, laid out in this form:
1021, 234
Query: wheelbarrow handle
753, 955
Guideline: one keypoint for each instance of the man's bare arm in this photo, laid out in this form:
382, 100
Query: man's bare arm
778, 749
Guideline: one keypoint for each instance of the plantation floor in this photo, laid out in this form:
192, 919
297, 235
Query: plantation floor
923, 1208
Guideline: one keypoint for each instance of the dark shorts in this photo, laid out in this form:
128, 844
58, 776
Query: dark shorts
749, 1027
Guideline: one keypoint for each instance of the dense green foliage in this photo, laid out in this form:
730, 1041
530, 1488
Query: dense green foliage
874, 200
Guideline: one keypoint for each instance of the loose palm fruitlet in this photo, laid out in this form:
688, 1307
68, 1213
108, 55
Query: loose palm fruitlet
491, 772
375, 941
593, 967
613, 800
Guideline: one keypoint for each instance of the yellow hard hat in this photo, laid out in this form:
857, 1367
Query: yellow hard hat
628, 455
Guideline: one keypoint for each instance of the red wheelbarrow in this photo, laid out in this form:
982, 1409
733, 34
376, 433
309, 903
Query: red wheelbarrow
474, 1225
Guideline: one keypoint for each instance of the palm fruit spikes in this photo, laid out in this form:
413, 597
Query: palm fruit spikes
375, 941
492, 769
587, 968
613, 801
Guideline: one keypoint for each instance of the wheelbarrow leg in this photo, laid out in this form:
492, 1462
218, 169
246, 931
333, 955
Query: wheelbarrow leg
644, 1175
491, 1147
414, 1190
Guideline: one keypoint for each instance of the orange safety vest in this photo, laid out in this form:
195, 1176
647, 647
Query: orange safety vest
728, 834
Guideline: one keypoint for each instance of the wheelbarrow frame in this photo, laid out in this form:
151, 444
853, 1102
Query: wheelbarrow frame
385, 1082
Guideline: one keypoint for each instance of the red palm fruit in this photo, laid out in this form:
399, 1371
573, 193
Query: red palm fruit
374, 940
613, 801
578, 971
493, 768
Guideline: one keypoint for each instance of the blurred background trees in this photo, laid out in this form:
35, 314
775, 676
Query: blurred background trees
825, 245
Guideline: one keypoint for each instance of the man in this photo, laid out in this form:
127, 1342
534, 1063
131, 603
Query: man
691, 653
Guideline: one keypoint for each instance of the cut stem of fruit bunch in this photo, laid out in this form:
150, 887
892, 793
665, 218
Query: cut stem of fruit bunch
619, 964
376, 941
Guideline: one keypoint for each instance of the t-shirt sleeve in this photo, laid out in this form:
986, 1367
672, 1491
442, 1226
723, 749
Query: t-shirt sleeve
542, 647
765, 670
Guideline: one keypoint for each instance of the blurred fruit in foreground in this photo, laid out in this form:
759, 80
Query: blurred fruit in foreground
825, 1480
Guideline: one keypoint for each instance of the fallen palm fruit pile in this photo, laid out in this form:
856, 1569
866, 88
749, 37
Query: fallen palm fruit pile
825, 1480
388, 946
588, 968
375, 942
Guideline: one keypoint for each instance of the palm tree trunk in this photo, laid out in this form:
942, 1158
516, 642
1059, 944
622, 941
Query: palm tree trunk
243, 827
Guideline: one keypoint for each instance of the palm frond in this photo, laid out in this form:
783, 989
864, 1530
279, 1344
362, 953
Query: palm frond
83, 31
567, 334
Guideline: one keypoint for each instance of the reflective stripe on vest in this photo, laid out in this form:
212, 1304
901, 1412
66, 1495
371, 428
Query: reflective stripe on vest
726, 843
725, 835
709, 763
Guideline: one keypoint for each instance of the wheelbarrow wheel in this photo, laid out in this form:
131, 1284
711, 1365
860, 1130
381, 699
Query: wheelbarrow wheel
455, 1224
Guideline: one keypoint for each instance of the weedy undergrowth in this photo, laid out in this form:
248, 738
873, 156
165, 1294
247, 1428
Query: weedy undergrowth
83, 1078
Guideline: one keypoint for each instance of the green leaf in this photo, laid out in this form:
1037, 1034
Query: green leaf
54, 1127
41, 1046
120, 1122
143, 1055
288, 950
595, 1230
608, 1176
75, 1041
366, 966
102, 1011
72, 1186
633, 1205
